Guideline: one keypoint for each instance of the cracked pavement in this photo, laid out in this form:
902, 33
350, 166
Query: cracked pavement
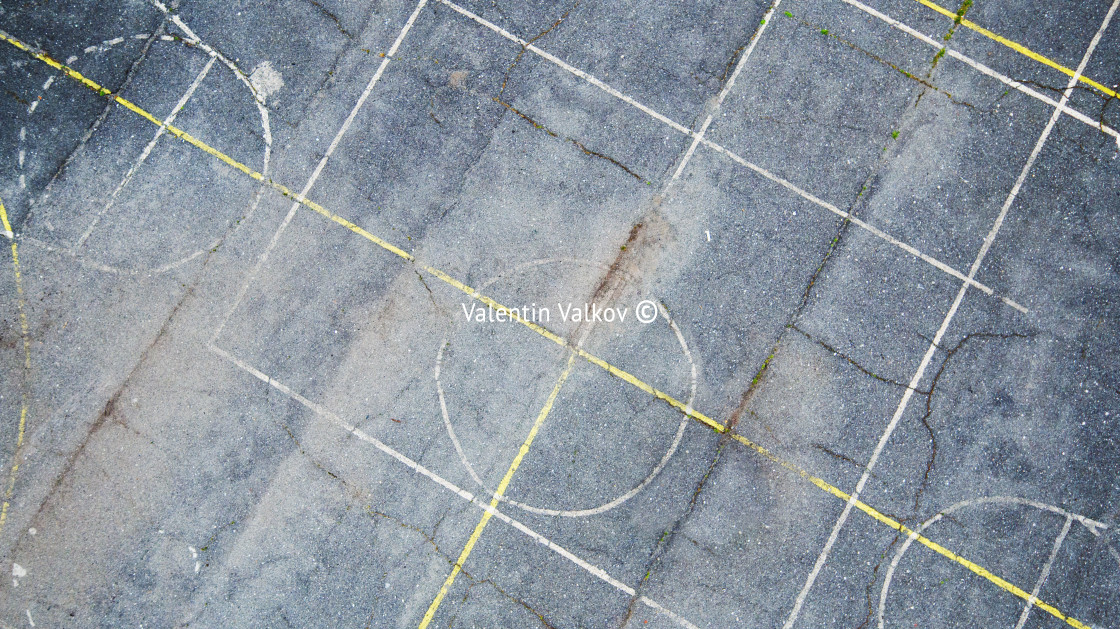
230, 405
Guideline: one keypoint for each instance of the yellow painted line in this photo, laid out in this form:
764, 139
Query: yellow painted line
898, 526
1017, 47
127, 104
319, 209
25, 333
584, 354
500, 492
544, 332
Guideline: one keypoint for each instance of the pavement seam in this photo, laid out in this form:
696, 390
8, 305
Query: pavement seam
918, 374
959, 18
133, 70
820, 483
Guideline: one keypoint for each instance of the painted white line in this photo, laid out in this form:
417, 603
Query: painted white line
446, 484
72, 255
1093, 526
1042, 140
854, 220
1044, 576
738, 159
262, 110
193, 40
823, 557
569, 513
319, 167
105, 45
170, 119
1014, 304
983, 69
699, 135
566, 66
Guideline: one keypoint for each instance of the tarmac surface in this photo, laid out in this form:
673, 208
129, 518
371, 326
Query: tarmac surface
324, 313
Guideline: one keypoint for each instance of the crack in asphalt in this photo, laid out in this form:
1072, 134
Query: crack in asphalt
793, 317
19, 99
949, 354
328, 76
924, 419
500, 99
853, 362
431, 295
961, 11
885, 62
110, 105
842, 457
107, 413
665, 541
497, 588
334, 18
580, 145
873, 580
525, 47
357, 494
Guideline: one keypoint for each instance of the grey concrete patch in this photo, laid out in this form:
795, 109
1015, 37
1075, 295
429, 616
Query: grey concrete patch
244, 415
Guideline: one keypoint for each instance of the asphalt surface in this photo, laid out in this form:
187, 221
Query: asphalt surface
258, 374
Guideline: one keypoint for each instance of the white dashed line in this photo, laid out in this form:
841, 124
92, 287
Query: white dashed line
170, 119
193, 40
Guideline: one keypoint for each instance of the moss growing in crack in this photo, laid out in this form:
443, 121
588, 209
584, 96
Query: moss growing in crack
937, 59
788, 14
883, 61
965, 6
762, 369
